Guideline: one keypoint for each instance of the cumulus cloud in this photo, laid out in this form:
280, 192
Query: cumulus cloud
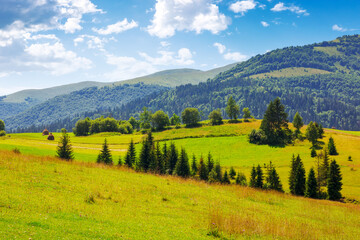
186, 15
221, 48
341, 29
295, 9
230, 56
55, 58
242, 6
182, 57
118, 27
264, 24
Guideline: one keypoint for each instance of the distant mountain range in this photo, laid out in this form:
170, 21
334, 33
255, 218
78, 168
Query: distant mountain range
43, 106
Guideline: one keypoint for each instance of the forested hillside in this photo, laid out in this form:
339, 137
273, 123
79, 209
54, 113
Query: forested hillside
86, 100
331, 98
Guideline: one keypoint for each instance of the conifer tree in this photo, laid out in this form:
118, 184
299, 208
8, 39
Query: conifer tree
241, 179
210, 163
332, 147
312, 133
298, 123
194, 167
130, 157
203, 173
259, 177
300, 180
226, 179
324, 169
64, 149
161, 169
252, 182
165, 153
217, 170
182, 168
145, 155
153, 163
311, 185
172, 158
313, 152
213, 176
120, 162
273, 180
105, 155
292, 175
232, 173
334, 182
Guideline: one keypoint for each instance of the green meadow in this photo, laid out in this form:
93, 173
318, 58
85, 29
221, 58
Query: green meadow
227, 143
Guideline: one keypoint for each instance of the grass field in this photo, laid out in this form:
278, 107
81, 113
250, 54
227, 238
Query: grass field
291, 72
45, 198
227, 143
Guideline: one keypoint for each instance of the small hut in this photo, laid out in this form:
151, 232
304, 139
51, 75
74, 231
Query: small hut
51, 137
45, 132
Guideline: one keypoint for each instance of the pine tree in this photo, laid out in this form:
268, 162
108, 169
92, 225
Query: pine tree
334, 182
210, 163
64, 149
165, 153
213, 176
145, 155
312, 133
232, 173
172, 158
298, 123
130, 157
226, 179
153, 163
182, 168
324, 169
273, 180
252, 182
259, 177
313, 152
105, 155
292, 175
120, 162
311, 185
203, 173
217, 170
241, 179
300, 180
332, 147
194, 167
159, 160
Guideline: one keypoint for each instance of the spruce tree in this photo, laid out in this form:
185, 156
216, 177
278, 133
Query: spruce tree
194, 167
120, 162
203, 173
292, 175
165, 153
232, 173
259, 177
300, 180
105, 155
145, 155
226, 179
324, 169
182, 168
210, 163
64, 149
252, 182
161, 169
312, 133
241, 179
273, 180
153, 163
334, 182
313, 152
332, 147
217, 170
213, 176
311, 185
298, 123
130, 157
172, 158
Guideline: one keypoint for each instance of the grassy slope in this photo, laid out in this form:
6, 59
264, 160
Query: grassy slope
291, 72
44, 198
227, 143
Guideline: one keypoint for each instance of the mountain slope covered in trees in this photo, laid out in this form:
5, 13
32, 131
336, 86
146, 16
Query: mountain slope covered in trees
331, 96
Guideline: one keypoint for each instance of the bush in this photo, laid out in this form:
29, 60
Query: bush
51, 137
215, 117
190, 117
257, 137
16, 150
2, 133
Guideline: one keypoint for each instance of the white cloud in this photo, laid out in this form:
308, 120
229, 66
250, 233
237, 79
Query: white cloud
186, 15
221, 48
165, 44
295, 9
166, 58
242, 6
55, 58
118, 27
338, 28
265, 24
235, 56
71, 25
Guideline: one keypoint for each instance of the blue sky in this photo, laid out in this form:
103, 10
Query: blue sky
46, 43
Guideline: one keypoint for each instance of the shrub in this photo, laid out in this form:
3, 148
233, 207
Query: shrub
51, 137
16, 150
2, 133
257, 137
